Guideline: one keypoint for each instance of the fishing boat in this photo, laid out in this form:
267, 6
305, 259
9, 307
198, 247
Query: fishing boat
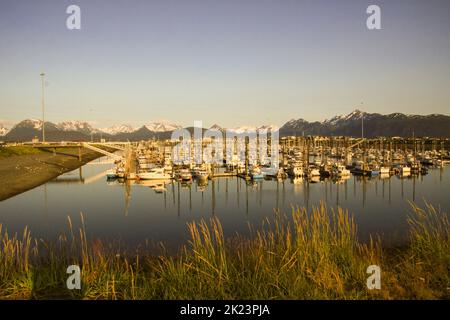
426, 160
385, 170
111, 174
295, 169
202, 175
153, 174
255, 173
185, 175
339, 170
325, 169
313, 172
120, 172
363, 169
405, 170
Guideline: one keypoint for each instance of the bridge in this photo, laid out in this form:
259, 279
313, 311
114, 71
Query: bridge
91, 146
88, 145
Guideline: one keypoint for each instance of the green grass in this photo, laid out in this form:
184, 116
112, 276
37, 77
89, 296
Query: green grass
18, 151
306, 255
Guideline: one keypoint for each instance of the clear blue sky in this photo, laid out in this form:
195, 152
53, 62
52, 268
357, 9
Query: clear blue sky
222, 61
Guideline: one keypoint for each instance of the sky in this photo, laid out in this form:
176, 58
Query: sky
246, 62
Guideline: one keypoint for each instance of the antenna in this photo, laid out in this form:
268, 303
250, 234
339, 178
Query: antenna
362, 122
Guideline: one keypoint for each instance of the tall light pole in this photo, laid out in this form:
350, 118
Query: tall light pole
43, 107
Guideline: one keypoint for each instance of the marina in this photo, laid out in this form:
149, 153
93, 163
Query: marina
310, 157
225, 154
155, 205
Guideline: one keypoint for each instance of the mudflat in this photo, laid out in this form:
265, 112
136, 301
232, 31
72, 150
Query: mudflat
23, 172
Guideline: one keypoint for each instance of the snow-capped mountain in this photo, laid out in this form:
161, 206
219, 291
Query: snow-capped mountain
3, 130
30, 123
295, 123
270, 127
121, 128
162, 126
75, 125
355, 115
375, 124
242, 129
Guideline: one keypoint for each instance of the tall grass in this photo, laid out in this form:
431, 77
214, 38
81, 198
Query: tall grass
304, 255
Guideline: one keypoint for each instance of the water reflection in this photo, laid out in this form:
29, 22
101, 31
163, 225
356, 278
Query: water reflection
159, 210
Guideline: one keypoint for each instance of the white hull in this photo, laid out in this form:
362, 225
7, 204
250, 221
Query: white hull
341, 172
405, 170
384, 170
153, 176
314, 173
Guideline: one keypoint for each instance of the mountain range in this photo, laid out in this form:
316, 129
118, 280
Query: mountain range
358, 123
374, 124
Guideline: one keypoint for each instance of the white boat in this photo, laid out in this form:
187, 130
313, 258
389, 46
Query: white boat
153, 174
313, 172
185, 174
405, 170
297, 170
385, 170
339, 170
202, 175
120, 172
256, 173
111, 174
145, 165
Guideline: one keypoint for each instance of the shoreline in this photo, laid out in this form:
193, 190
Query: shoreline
312, 257
24, 172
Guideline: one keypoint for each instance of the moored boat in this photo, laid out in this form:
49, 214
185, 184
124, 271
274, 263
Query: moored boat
153, 174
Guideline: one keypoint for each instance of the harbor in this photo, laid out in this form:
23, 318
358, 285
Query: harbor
225, 154
151, 200
311, 158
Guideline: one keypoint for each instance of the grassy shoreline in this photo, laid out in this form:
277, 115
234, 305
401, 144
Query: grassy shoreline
23, 167
314, 255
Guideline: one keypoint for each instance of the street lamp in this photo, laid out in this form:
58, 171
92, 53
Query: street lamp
43, 107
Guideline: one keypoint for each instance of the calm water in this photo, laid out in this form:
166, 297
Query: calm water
135, 213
